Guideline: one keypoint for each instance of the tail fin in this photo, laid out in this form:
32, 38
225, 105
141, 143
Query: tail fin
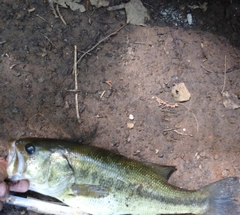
223, 196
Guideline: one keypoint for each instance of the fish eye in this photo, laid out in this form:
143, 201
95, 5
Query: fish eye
30, 148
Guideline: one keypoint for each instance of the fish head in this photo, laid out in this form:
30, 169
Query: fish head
44, 162
27, 159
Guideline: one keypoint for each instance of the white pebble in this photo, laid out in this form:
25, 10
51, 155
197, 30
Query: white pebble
131, 117
189, 18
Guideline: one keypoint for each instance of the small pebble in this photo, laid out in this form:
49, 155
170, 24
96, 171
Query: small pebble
189, 18
25, 48
131, 117
136, 152
122, 12
15, 110
130, 125
161, 155
41, 80
17, 73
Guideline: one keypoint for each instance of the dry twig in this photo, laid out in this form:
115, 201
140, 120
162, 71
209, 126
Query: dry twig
49, 41
76, 83
2, 42
31, 10
109, 83
60, 15
225, 75
102, 94
51, 3
176, 131
183, 134
170, 129
75, 67
99, 42
37, 15
165, 104
206, 69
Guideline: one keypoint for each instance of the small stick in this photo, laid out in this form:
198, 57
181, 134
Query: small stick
170, 129
60, 15
51, 3
77, 61
225, 75
49, 41
99, 42
73, 91
31, 10
102, 93
206, 69
41, 17
180, 133
76, 83
165, 104
109, 83
2, 42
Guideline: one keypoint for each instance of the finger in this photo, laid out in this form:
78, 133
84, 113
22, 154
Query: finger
20, 186
3, 171
3, 191
3, 174
3, 162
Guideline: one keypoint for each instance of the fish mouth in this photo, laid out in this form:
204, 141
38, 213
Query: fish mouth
16, 163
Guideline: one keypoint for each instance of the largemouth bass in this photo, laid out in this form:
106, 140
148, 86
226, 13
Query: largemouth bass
100, 182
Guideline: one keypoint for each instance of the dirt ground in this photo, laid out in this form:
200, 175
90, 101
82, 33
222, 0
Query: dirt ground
127, 73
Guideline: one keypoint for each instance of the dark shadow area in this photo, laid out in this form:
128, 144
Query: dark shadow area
221, 17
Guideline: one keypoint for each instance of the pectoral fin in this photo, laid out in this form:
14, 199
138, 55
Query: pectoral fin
164, 171
88, 190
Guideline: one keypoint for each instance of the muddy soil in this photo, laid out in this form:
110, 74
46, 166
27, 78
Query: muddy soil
131, 72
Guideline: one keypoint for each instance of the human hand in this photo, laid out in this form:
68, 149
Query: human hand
21, 186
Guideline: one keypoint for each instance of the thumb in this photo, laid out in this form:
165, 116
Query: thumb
3, 171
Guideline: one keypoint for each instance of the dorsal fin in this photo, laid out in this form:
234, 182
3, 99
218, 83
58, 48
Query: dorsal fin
164, 171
